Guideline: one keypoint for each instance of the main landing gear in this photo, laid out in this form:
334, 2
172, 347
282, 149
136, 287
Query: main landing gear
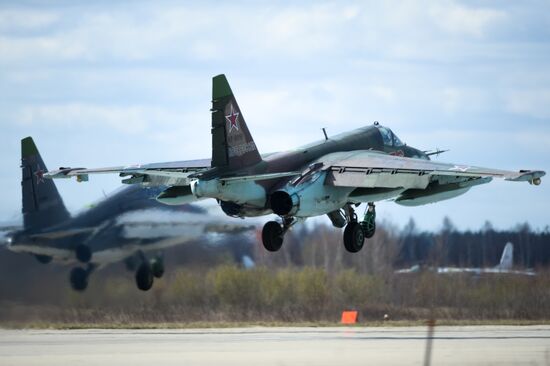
79, 277
148, 270
355, 231
273, 233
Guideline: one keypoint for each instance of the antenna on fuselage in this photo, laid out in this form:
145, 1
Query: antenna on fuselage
325, 133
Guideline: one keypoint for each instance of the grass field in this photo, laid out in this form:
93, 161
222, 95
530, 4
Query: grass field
228, 296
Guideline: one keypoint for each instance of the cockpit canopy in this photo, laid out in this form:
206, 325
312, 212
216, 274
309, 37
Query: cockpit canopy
389, 138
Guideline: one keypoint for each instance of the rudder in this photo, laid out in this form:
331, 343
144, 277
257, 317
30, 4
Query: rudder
43, 206
232, 144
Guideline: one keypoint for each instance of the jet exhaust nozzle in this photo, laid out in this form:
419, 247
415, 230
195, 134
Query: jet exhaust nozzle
283, 204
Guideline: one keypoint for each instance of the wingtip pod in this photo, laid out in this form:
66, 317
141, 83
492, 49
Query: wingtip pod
28, 148
220, 87
531, 176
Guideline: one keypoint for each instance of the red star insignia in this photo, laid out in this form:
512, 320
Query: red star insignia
232, 119
39, 174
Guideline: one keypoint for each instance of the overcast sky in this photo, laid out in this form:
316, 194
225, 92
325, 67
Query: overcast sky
103, 83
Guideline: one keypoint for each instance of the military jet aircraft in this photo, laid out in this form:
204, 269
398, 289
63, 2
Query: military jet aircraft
505, 266
121, 227
329, 177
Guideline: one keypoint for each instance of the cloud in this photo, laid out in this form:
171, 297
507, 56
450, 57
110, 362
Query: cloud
19, 19
457, 19
97, 34
132, 120
532, 103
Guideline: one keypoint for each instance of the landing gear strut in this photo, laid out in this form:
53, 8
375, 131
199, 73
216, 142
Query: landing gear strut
148, 270
273, 233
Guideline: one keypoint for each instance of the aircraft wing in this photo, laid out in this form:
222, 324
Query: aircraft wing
370, 169
222, 228
170, 173
52, 235
482, 271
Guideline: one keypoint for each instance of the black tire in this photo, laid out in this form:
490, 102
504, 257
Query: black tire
369, 223
83, 253
371, 230
79, 279
272, 236
354, 237
157, 267
44, 259
144, 277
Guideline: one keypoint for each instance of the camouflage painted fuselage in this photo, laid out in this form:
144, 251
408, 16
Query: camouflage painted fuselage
251, 198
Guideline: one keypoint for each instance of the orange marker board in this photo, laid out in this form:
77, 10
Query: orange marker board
349, 317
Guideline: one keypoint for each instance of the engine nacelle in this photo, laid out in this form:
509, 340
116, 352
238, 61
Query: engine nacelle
176, 195
307, 196
231, 209
246, 193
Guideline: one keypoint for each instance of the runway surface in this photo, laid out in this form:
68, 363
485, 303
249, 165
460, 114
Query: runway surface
476, 345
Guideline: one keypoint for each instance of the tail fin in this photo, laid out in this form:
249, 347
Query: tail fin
507, 259
232, 145
42, 204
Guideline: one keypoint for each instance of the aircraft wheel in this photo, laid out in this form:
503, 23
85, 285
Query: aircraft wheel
79, 279
354, 237
83, 253
369, 228
272, 236
157, 267
44, 259
144, 277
